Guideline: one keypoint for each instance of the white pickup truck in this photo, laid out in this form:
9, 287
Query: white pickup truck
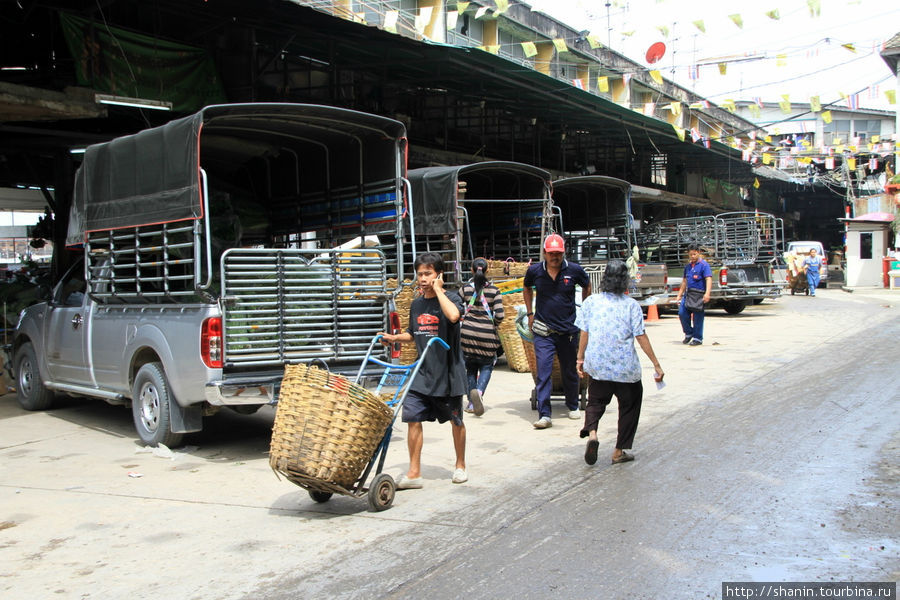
212, 257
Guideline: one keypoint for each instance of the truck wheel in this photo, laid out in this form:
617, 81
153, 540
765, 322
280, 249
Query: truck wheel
30, 390
150, 407
733, 307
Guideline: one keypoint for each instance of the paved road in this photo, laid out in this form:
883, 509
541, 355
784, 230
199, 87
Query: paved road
772, 454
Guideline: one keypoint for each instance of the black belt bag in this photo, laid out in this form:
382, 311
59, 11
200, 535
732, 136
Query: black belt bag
693, 299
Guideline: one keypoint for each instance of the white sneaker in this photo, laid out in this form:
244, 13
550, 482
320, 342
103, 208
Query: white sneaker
543, 423
460, 476
575, 414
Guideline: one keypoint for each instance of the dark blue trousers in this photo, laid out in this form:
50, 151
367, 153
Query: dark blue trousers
565, 348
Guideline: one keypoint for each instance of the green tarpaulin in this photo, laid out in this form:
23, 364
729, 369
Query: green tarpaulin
121, 63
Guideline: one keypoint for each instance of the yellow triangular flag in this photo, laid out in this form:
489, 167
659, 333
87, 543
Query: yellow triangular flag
529, 48
593, 41
849, 47
675, 108
503, 5
815, 104
493, 48
891, 96
766, 158
603, 84
851, 163
560, 45
768, 139
785, 103
679, 132
875, 139
723, 68
656, 76
781, 60
815, 7
462, 6
452, 18
737, 20
756, 182
729, 105
754, 110
700, 25
481, 12
390, 20
773, 14
826, 116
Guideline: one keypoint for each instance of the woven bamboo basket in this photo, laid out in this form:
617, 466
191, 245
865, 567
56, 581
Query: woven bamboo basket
556, 375
408, 352
509, 335
326, 429
507, 269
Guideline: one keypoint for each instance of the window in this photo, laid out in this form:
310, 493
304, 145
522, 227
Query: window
865, 245
658, 163
839, 130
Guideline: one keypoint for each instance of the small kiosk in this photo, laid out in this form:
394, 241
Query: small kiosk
867, 245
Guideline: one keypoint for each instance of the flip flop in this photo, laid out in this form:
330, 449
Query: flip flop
590, 452
625, 457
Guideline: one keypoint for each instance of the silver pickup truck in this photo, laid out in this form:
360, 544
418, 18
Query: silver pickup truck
218, 248
740, 247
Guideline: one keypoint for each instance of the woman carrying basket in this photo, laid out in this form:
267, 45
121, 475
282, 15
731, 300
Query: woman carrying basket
480, 341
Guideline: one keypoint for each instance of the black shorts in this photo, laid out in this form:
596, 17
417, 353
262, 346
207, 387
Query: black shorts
419, 407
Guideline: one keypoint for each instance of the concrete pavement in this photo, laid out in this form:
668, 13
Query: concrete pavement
86, 512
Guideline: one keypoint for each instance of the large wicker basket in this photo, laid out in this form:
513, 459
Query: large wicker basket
509, 335
403, 300
556, 375
326, 429
507, 269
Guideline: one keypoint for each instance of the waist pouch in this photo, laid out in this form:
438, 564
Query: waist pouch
542, 329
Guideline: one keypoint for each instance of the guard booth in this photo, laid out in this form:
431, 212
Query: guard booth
868, 239
493, 209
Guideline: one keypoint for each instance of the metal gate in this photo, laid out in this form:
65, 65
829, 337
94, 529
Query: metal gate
292, 305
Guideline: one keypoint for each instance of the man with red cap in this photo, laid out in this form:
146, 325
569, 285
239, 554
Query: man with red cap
552, 321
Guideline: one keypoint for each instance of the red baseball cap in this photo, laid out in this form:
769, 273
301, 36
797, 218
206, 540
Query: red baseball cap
554, 243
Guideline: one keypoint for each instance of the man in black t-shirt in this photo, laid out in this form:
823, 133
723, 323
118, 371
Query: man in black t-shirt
436, 392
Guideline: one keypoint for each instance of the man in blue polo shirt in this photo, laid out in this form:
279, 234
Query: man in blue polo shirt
555, 334
694, 293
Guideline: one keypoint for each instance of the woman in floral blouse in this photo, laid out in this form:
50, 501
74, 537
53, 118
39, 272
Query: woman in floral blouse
611, 322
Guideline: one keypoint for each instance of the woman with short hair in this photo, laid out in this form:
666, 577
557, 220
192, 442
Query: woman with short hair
611, 322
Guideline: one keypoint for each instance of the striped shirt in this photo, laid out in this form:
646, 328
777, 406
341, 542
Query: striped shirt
480, 341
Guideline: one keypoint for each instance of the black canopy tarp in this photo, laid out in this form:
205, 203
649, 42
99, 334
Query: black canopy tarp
154, 176
435, 190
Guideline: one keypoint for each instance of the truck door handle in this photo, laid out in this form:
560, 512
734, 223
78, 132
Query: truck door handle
76, 321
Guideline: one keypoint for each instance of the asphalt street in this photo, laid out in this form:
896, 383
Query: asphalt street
771, 455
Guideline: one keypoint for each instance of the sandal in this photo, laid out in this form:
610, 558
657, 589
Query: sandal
624, 457
590, 452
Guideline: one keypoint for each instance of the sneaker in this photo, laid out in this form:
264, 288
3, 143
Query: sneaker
574, 414
476, 403
687, 340
695, 342
460, 476
469, 408
543, 423
405, 483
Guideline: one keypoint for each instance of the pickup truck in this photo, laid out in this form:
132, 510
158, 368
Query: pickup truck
740, 247
216, 249
594, 214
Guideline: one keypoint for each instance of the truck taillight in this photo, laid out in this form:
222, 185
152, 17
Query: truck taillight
211, 342
723, 276
394, 319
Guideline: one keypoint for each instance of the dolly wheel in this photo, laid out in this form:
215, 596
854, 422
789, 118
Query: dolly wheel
320, 496
534, 399
381, 492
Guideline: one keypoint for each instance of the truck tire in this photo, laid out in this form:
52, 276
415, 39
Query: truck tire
150, 407
733, 307
30, 390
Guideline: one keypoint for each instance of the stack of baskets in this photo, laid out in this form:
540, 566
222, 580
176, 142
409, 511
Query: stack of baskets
507, 269
403, 300
509, 334
326, 429
556, 375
